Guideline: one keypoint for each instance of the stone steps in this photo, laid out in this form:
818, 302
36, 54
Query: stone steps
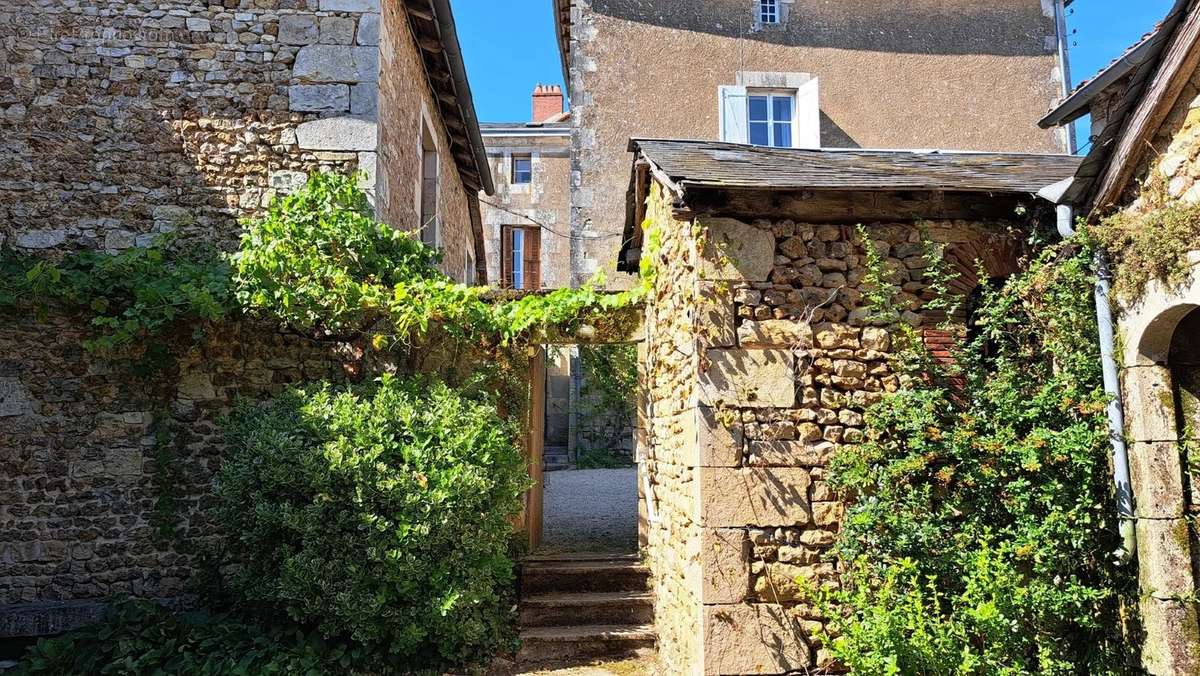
581, 607
555, 610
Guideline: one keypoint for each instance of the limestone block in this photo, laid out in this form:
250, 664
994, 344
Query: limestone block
116, 240
366, 165
1164, 558
1156, 471
750, 378
774, 496
720, 441
40, 239
338, 133
775, 333
716, 315
725, 565
15, 399
196, 385
336, 30
336, 63
874, 338
287, 181
298, 29
1172, 637
123, 462
319, 98
350, 6
368, 29
779, 582
199, 25
1149, 403
364, 100
735, 251
831, 336
754, 639
791, 453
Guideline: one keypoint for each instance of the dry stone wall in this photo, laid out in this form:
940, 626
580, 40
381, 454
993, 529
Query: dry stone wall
119, 120
788, 359
80, 475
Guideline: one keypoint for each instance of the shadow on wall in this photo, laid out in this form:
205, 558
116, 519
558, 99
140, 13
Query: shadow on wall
1004, 28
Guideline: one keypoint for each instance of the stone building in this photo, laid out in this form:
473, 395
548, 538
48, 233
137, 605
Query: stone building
1145, 158
526, 222
800, 73
122, 120
760, 359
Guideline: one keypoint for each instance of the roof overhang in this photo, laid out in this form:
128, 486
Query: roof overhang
562, 29
433, 29
725, 178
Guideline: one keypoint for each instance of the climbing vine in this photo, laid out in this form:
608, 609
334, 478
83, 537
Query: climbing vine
982, 531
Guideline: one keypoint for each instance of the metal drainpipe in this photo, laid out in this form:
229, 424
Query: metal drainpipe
1112, 388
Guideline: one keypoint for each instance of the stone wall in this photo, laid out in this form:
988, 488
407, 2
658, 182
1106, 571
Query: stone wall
787, 360
80, 481
120, 120
669, 458
893, 74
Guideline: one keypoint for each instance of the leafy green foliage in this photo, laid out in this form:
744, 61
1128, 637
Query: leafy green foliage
982, 534
379, 514
131, 295
139, 637
602, 459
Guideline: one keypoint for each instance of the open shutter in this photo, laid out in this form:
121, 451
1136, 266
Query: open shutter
808, 116
506, 252
533, 258
732, 100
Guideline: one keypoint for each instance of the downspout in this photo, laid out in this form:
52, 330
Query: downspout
1112, 389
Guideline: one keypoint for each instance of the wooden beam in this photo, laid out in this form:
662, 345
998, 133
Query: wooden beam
852, 207
1178, 63
429, 44
413, 8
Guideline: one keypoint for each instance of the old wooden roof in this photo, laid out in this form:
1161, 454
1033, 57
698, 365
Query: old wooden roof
713, 164
432, 24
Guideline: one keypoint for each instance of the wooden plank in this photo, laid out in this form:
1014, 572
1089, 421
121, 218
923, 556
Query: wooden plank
1178, 63
535, 426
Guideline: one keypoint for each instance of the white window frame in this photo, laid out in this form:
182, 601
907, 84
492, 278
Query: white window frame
770, 12
771, 95
734, 106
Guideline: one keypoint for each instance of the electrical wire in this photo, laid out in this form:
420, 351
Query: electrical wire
549, 229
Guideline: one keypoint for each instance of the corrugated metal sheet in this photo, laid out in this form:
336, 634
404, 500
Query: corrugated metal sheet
728, 165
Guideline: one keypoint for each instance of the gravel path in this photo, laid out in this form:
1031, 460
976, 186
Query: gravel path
591, 510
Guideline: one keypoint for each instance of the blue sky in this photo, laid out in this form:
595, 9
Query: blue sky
509, 45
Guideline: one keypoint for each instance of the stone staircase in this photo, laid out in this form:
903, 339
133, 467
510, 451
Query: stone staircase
555, 458
582, 607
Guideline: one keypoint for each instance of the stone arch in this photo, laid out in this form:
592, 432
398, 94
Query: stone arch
1160, 388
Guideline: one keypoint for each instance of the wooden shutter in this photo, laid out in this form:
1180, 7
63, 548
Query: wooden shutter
533, 258
734, 114
506, 246
808, 116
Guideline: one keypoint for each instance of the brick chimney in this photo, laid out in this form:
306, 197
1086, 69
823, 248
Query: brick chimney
547, 102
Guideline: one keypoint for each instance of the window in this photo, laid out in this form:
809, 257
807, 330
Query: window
778, 110
520, 257
768, 11
770, 117
522, 169
430, 228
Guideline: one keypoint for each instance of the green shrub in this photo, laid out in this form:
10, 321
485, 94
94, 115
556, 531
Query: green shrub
602, 459
376, 513
982, 534
139, 637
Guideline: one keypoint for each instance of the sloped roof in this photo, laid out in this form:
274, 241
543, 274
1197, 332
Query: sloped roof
562, 29
714, 164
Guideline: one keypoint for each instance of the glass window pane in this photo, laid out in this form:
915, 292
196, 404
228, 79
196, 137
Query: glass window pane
783, 135
758, 108
522, 170
518, 258
759, 133
781, 107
